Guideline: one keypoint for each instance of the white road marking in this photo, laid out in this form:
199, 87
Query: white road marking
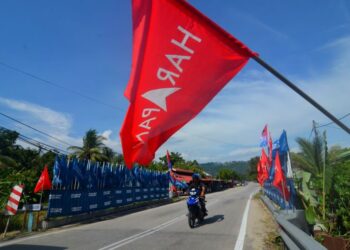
132, 238
77, 228
240, 239
153, 230
73, 227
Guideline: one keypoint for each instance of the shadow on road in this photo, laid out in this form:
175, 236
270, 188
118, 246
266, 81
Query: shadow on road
213, 219
31, 247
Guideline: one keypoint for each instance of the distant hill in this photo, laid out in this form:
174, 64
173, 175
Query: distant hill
240, 167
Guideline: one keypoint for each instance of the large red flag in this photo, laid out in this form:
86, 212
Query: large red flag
181, 60
44, 182
279, 180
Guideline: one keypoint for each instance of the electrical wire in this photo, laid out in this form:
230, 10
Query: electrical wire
37, 130
327, 124
36, 143
47, 82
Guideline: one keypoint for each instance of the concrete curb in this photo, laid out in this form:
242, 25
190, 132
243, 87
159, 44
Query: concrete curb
102, 214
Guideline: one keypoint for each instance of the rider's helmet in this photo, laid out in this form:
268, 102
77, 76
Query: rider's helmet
195, 176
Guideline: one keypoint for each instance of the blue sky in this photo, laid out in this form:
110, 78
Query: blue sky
85, 46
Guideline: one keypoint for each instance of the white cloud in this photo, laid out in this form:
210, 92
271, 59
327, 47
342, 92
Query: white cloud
229, 128
112, 141
56, 124
62, 122
244, 152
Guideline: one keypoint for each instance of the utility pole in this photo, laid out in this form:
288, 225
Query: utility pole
324, 143
324, 175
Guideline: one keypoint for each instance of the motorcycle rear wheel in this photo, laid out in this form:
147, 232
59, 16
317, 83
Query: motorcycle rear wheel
191, 220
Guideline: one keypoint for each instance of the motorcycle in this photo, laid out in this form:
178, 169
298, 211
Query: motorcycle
194, 208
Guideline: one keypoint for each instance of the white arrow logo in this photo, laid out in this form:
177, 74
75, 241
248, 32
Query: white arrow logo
158, 96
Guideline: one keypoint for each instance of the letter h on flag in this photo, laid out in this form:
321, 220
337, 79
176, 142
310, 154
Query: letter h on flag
181, 60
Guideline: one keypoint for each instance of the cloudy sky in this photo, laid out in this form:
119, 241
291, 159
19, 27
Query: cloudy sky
64, 66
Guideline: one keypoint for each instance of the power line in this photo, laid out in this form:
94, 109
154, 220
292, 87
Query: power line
37, 130
23, 137
36, 143
47, 82
327, 124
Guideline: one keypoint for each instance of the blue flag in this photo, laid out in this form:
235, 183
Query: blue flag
283, 143
56, 180
77, 173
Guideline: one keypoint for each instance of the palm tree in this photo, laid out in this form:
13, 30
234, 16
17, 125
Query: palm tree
108, 153
92, 148
311, 157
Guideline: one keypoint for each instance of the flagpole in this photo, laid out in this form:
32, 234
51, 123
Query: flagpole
41, 197
301, 93
284, 194
6, 227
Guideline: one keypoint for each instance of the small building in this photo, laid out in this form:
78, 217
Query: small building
184, 175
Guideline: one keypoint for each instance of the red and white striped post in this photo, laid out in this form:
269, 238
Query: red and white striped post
12, 204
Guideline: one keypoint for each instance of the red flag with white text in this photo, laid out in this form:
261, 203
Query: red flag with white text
181, 60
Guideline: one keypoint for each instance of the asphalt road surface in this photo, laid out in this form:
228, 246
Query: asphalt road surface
164, 227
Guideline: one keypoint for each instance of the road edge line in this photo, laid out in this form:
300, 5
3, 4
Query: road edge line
242, 231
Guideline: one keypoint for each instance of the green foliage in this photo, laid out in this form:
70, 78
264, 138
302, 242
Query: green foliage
311, 157
175, 158
93, 148
177, 161
314, 156
339, 199
20, 166
252, 174
228, 174
213, 168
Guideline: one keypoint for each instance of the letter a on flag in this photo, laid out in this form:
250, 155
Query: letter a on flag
181, 60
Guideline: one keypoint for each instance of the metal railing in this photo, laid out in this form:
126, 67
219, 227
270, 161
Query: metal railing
293, 236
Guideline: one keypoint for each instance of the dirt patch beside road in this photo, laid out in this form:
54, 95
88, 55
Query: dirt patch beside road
262, 230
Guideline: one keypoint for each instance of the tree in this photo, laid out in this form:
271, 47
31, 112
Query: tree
118, 159
311, 157
175, 158
253, 162
92, 148
108, 153
7, 140
228, 174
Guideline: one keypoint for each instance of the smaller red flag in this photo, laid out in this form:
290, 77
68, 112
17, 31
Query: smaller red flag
279, 180
44, 182
264, 166
270, 149
259, 170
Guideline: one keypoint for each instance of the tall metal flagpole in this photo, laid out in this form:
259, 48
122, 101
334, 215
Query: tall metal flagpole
301, 93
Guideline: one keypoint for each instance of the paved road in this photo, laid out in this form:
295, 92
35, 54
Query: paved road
163, 227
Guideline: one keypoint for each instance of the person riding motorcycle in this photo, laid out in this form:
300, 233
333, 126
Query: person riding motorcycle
198, 185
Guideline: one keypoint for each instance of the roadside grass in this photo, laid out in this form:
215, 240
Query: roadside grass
272, 239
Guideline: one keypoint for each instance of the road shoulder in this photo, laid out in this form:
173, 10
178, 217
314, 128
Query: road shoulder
262, 229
